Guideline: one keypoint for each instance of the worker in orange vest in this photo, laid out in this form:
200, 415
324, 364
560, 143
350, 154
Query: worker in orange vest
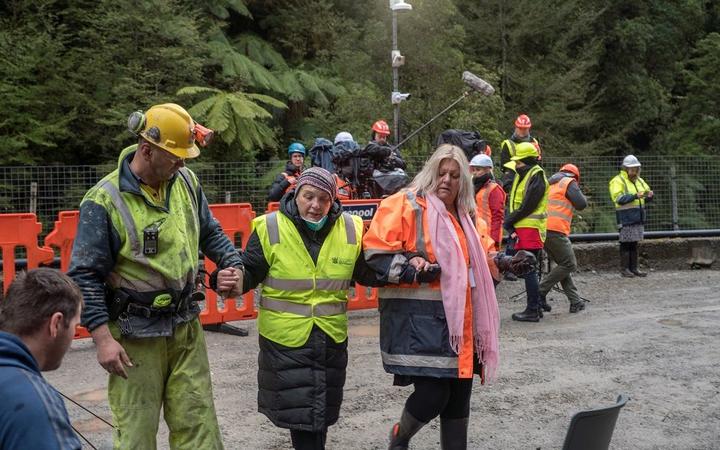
489, 196
286, 180
565, 197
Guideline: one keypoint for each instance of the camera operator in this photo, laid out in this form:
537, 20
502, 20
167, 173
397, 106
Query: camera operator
379, 159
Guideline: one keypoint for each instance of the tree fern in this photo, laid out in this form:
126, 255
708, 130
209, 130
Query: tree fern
237, 117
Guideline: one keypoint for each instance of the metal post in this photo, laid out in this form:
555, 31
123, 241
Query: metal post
33, 197
228, 198
396, 108
673, 190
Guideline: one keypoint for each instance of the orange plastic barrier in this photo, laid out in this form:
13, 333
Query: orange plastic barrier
358, 298
235, 220
21, 230
63, 236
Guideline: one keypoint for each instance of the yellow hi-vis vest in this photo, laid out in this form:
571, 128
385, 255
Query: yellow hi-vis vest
538, 218
297, 293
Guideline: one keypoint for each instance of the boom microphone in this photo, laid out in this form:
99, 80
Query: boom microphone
474, 82
477, 83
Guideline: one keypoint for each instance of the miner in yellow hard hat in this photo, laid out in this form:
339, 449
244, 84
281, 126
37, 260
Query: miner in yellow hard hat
135, 259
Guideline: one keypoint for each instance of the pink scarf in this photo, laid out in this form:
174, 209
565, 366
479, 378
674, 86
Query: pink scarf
454, 280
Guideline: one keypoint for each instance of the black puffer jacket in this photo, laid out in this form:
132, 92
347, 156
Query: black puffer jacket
301, 388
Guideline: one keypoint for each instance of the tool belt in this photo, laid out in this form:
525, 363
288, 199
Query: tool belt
149, 304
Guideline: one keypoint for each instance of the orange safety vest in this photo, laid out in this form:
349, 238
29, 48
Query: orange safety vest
400, 225
482, 198
559, 209
292, 185
344, 188
488, 245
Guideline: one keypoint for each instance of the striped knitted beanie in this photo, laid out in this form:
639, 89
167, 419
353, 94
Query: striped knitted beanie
319, 178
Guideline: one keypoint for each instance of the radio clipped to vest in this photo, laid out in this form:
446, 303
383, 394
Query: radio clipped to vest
151, 236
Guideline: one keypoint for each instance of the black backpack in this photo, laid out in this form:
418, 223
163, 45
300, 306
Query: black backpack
470, 141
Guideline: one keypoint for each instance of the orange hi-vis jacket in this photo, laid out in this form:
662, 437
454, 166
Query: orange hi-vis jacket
560, 209
482, 198
413, 330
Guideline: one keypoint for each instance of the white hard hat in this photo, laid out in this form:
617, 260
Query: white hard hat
481, 160
343, 136
631, 161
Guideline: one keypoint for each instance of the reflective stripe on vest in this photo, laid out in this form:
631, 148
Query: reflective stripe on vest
304, 285
274, 231
538, 218
435, 362
419, 231
410, 293
560, 209
319, 310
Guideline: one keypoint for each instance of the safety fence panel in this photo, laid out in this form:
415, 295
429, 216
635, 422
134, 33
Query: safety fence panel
62, 238
359, 296
19, 233
235, 220
687, 194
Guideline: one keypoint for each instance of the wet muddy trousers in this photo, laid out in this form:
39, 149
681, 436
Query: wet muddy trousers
172, 373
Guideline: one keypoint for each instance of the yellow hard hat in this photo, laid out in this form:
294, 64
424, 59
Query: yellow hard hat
169, 127
522, 150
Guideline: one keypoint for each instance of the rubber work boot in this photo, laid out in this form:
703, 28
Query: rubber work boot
577, 307
529, 315
544, 304
453, 433
625, 263
402, 431
634, 264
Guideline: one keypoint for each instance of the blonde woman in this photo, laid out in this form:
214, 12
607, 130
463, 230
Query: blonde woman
438, 316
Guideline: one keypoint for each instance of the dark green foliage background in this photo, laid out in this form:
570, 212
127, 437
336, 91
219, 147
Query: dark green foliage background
598, 77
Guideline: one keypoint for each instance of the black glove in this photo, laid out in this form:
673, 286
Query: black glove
429, 275
503, 262
523, 262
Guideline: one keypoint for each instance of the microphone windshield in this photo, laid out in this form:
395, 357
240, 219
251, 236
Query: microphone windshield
477, 83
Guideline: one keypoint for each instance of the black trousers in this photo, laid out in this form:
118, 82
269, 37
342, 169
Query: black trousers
308, 440
448, 398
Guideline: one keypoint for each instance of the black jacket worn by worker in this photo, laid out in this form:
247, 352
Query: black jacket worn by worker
282, 183
294, 391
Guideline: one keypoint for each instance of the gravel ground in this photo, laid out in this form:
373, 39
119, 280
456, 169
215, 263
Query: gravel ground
654, 339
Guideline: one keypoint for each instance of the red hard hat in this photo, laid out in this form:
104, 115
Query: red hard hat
381, 127
523, 121
571, 168
488, 150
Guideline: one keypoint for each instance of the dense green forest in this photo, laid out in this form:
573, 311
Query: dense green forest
598, 77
